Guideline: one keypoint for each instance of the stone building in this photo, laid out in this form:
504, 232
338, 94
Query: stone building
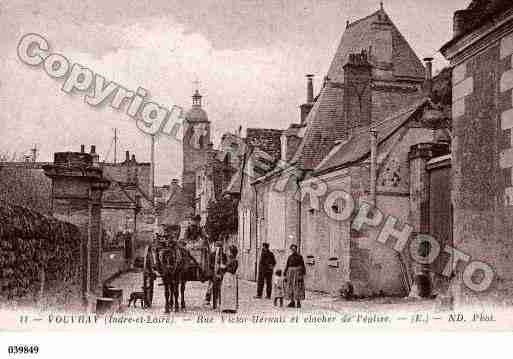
127, 206
262, 152
480, 53
375, 81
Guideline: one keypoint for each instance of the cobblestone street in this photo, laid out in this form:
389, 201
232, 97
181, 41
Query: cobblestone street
314, 303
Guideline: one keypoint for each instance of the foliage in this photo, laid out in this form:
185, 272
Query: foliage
222, 219
442, 87
30, 243
25, 187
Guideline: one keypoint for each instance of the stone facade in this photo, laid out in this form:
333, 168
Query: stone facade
481, 55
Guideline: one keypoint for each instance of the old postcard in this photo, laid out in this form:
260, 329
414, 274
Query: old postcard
170, 165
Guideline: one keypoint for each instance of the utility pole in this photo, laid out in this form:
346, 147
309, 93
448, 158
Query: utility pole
152, 169
373, 164
115, 145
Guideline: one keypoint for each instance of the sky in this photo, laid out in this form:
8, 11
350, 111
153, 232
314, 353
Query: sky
249, 56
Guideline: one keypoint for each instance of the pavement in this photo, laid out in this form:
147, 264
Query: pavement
315, 302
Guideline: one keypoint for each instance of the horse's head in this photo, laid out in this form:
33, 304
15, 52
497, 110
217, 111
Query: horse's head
169, 260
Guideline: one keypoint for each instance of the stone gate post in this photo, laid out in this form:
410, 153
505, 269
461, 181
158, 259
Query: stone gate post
77, 189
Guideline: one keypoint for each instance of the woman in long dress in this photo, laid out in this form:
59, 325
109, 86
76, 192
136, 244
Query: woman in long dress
295, 271
230, 284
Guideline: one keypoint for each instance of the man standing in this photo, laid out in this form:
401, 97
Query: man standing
217, 264
265, 271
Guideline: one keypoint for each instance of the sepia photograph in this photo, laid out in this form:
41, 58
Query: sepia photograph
277, 165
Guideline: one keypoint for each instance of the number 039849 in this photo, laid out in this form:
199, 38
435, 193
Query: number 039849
22, 349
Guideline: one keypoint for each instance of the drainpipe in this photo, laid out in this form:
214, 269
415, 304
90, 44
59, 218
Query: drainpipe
257, 224
373, 165
299, 233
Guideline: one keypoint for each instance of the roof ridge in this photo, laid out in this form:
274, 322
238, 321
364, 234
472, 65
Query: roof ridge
356, 22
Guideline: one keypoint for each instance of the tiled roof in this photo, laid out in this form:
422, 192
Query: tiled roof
360, 35
357, 147
325, 125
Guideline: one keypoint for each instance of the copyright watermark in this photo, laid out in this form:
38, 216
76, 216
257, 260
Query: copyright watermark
150, 117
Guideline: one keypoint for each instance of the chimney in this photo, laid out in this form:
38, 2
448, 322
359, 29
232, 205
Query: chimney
94, 156
459, 23
127, 156
357, 91
133, 159
307, 107
309, 88
428, 82
82, 148
325, 81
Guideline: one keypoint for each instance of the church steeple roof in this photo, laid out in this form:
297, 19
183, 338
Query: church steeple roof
196, 113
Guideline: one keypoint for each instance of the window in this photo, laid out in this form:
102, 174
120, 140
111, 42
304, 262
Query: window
334, 240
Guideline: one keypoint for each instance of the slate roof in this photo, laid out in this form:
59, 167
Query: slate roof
357, 147
326, 122
359, 36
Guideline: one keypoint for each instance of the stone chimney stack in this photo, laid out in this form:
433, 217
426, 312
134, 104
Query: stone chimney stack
127, 156
357, 91
82, 148
95, 157
428, 82
307, 107
309, 88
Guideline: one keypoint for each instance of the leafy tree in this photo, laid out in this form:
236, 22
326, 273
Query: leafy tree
222, 218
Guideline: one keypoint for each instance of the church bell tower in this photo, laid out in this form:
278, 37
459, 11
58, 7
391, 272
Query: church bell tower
195, 144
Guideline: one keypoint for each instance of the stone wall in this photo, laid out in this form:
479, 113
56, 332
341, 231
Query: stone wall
483, 123
113, 262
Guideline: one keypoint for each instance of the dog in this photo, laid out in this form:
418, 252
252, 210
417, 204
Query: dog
135, 296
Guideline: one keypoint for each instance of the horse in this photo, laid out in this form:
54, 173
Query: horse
177, 267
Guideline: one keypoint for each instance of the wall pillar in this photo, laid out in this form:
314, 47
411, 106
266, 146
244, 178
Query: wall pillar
418, 158
77, 189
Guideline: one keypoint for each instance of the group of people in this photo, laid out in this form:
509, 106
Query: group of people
279, 284
222, 267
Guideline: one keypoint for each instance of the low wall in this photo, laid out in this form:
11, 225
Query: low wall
113, 262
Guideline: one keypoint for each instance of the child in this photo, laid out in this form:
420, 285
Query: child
278, 288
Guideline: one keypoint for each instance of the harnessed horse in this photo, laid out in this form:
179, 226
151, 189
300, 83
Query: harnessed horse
176, 267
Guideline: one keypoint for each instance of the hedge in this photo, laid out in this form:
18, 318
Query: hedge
31, 242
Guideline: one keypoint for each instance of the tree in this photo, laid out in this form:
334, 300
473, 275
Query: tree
222, 218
